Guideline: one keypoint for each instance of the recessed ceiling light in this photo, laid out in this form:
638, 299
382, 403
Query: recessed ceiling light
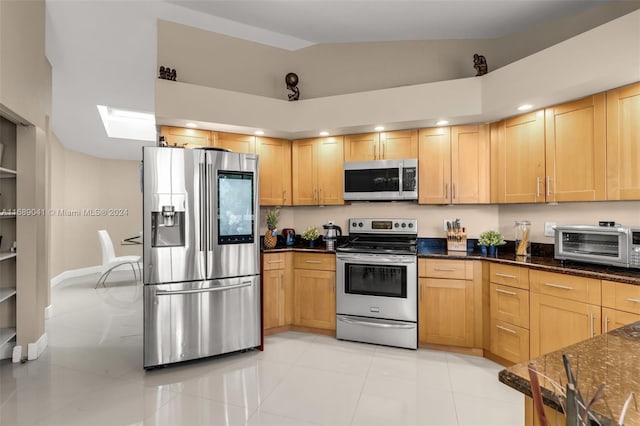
324, 133
128, 124
442, 123
259, 132
192, 125
525, 107
379, 128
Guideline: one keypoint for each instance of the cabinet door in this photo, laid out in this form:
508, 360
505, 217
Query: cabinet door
576, 150
509, 341
399, 144
273, 298
434, 166
303, 177
520, 170
275, 171
315, 299
237, 143
470, 171
612, 319
181, 137
509, 305
330, 170
363, 147
448, 314
556, 323
623, 143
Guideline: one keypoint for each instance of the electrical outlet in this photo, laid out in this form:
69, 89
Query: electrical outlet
548, 229
444, 224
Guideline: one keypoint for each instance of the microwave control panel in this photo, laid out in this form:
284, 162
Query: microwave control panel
634, 252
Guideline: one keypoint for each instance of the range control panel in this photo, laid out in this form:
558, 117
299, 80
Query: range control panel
383, 226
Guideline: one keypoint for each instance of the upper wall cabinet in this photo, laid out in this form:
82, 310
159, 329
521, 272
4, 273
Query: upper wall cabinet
275, 171
454, 165
576, 150
317, 177
393, 145
186, 138
623, 143
234, 142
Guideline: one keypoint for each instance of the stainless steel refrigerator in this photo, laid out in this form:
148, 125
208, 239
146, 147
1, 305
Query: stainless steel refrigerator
201, 254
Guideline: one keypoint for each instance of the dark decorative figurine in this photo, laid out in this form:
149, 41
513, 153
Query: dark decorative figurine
292, 82
480, 64
167, 73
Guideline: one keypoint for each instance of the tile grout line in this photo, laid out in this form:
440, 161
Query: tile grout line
453, 393
364, 382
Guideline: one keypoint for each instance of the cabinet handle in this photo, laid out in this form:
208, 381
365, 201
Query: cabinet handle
633, 300
563, 287
446, 190
383, 144
275, 261
284, 195
333, 286
375, 151
313, 261
548, 186
606, 324
320, 195
508, 330
510, 293
445, 269
498, 274
315, 194
421, 293
591, 317
537, 186
282, 281
453, 190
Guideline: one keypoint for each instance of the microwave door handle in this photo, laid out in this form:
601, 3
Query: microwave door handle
401, 173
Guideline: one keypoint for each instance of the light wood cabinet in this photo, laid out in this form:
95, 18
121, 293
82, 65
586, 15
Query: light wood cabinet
558, 322
621, 296
186, 138
275, 171
510, 305
317, 177
613, 318
518, 143
315, 290
449, 303
513, 276
580, 289
277, 290
235, 142
393, 145
623, 143
576, 150
454, 165
509, 341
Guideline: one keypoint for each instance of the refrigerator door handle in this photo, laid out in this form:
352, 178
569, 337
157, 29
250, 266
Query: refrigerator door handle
211, 215
203, 202
203, 290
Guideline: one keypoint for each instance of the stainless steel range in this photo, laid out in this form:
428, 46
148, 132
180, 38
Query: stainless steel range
377, 283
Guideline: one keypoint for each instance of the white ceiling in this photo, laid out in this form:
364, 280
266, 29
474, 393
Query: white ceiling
104, 51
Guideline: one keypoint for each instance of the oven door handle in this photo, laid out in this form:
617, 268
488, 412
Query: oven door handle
375, 324
380, 259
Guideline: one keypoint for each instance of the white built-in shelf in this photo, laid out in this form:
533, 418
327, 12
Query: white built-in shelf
6, 334
6, 293
5, 255
7, 173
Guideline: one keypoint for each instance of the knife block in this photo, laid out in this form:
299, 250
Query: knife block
457, 241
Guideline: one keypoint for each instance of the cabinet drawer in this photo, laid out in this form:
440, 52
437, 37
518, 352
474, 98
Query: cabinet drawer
612, 319
624, 297
509, 341
273, 261
509, 305
450, 269
566, 286
509, 275
324, 262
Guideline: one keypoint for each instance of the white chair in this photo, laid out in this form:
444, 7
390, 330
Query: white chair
111, 262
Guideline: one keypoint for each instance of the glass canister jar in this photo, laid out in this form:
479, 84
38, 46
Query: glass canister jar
523, 238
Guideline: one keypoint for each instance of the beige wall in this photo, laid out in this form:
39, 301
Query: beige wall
224, 62
81, 182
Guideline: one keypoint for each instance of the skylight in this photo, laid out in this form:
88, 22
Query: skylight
127, 124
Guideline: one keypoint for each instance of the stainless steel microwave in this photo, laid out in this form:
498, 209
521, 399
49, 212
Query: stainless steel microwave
608, 245
381, 180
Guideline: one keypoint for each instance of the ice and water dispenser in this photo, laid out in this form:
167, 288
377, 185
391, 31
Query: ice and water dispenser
167, 220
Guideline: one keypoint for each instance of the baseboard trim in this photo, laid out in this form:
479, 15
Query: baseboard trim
16, 355
35, 349
73, 273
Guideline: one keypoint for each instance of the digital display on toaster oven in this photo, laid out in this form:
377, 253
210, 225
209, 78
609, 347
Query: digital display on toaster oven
381, 224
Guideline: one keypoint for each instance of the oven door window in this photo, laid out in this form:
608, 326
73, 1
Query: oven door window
597, 244
376, 280
372, 180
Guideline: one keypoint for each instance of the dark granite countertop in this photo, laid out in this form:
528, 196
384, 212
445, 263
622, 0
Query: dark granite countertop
612, 359
318, 248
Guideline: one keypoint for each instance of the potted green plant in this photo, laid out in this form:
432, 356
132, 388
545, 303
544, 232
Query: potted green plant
311, 234
491, 239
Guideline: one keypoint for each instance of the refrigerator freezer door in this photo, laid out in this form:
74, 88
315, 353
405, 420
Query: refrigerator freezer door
193, 320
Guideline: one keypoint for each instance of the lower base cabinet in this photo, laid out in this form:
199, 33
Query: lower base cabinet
315, 299
509, 341
613, 318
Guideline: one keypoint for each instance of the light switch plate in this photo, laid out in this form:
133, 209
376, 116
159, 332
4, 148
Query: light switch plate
548, 229
444, 224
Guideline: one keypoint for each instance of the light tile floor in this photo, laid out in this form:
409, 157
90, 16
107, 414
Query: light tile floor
91, 374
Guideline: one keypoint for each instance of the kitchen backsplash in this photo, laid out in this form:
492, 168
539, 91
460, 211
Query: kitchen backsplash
476, 218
